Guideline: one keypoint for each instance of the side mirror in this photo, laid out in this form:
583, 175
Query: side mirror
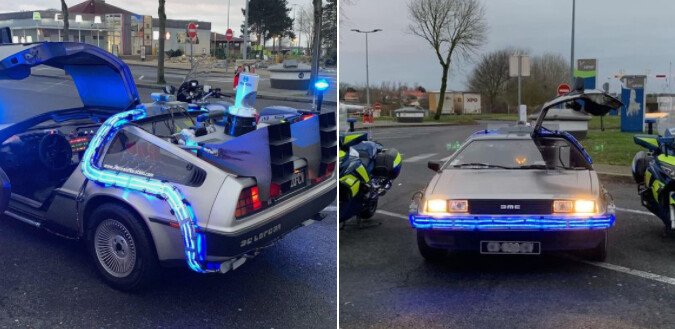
434, 165
169, 89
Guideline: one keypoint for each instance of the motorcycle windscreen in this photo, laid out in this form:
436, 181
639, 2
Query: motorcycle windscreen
5, 191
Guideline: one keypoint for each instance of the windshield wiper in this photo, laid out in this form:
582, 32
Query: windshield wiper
541, 166
480, 164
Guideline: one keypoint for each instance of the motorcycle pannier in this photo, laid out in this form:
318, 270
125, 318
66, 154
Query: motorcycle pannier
387, 164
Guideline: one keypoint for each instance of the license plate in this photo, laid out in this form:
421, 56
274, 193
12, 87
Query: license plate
298, 181
510, 247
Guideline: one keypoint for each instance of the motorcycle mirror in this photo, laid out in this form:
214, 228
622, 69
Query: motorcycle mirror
207, 88
434, 165
169, 89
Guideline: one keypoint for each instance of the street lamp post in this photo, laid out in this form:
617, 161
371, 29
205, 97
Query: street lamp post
574, 2
367, 75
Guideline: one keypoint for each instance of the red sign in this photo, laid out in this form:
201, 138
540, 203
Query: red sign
563, 89
377, 106
228, 35
192, 30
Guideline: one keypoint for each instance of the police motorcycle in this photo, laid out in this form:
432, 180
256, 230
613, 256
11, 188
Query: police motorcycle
654, 172
367, 171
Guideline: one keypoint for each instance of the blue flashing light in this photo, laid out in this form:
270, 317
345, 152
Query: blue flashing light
536, 223
321, 85
192, 239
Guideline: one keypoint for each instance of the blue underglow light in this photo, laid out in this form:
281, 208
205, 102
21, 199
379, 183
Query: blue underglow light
511, 222
193, 240
321, 85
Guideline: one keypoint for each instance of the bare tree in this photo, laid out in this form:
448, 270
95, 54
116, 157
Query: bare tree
547, 71
490, 75
160, 52
305, 24
451, 27
66, 24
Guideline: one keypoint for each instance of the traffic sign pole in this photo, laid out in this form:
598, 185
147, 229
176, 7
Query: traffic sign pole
192, 33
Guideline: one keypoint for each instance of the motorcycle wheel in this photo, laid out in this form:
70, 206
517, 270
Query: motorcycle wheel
669, 229
369, 210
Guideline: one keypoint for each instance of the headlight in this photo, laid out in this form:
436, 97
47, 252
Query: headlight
578, 206
437, 205
447, 206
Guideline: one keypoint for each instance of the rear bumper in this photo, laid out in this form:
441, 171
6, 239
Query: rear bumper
550, 240
221, 246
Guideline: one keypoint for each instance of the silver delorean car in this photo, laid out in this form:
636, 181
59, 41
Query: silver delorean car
518, 190
141, 193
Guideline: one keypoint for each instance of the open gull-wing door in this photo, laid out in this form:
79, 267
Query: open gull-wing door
591, 101
102, 80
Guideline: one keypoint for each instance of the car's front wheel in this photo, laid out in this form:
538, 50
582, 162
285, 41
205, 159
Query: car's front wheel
121, 248
429, 253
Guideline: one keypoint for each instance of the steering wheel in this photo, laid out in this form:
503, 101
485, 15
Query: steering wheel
55, 152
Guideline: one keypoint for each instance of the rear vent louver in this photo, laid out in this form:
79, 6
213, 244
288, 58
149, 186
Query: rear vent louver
198, 177
281, 155
328, 126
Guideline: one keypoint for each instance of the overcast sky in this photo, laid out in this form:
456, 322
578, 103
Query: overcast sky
214, 11
636, 36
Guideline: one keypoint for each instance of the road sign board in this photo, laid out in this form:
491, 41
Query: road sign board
377, 106
228, 35
192, 30
524, 66
563, 89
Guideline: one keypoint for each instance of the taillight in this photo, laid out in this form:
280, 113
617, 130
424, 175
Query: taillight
330, 167
306, 116
248, 203
275, 190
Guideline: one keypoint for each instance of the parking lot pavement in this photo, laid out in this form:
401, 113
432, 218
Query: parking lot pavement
49, 282
385, 283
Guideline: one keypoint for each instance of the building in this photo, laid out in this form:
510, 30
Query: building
219, 41
117, 30
456, 102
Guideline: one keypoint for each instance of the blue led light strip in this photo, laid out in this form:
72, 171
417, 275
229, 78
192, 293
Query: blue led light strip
192, 239
479, 223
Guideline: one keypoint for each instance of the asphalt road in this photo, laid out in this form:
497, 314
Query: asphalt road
49, 282
385, 283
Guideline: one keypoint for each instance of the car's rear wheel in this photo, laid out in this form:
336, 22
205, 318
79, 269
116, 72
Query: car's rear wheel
599, 253
429, 253
121, 248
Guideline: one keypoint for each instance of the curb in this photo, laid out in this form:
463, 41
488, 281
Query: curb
414, 125
619, 178
261, 96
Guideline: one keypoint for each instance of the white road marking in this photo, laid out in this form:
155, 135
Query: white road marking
607, 266
391, 214
639, 212
638, 273
419, 157
446, 158
141, 77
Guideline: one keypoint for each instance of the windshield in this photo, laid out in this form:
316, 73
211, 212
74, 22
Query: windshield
547, 153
